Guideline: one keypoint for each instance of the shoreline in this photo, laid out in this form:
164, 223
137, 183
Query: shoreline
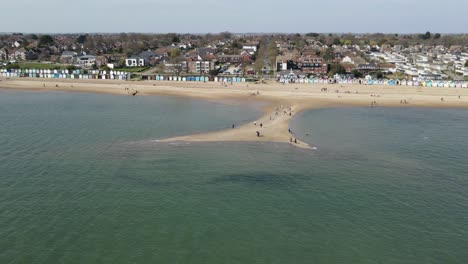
279, 103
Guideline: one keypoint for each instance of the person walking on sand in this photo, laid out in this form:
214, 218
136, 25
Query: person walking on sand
258, 134
261, 124
255, 123
295, 140
233, 126
291, 139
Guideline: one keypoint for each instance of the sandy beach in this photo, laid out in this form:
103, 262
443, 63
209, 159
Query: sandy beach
282, 102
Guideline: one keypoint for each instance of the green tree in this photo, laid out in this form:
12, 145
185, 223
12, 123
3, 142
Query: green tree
175, 53
314, 35
33, 36
226, 35
425, 36
236, 45
45, 40
357, 73
336, 41
466, 63
213, 72
437, 36
336, 68
71, 68
329, 54
175, 39
380, 75
81, 39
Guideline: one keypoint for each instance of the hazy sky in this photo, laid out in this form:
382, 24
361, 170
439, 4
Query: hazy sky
203, 16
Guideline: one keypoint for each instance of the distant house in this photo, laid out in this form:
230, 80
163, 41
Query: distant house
68, 57
20, 54
367, 67
135, 61
23, 54
246, 57
86, 60
306, 64
206, 53
347, 59
250, 47
312, 64
17, 44
197, 67
3, 54
102, 61
68, 54
230, 58
143, 59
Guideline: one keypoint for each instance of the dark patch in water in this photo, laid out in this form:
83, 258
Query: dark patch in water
277, 180
145, 182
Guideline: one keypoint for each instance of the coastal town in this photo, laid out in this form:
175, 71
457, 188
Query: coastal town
420, 59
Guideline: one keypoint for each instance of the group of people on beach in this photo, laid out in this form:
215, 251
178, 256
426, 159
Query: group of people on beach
131, 91
291, 139
286, 110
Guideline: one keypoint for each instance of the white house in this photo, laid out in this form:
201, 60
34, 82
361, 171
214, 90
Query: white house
250, 47
135, 62
86, 60
17, 44
348, 59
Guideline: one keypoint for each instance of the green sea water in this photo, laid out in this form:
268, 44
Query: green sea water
82, 180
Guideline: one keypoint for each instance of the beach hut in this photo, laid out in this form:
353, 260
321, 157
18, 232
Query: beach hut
391, 82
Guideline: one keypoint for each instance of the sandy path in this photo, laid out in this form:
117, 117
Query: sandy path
281, 99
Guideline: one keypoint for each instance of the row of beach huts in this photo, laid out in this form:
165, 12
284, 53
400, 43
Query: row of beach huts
391, 82
121, 75
195, 79
65, 74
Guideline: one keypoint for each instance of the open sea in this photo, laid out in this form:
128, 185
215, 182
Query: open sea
82, 180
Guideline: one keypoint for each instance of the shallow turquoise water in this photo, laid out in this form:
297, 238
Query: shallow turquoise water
82, 181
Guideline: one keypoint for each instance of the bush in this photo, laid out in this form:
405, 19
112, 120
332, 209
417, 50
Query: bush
357, 74
12, 66
71, 68
213, 72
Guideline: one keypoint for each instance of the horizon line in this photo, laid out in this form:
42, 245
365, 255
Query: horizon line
234, 33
